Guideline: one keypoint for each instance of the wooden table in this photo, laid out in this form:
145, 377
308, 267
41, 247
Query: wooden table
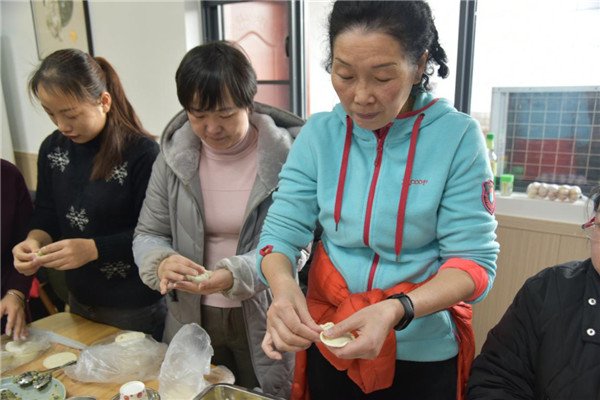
87, 332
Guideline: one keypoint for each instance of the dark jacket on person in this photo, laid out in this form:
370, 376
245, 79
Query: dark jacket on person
547, 345
16, 211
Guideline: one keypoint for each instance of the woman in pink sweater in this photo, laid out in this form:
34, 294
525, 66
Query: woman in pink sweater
209, 192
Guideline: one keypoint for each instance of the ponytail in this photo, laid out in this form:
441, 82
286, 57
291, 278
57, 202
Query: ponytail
122, 125
438, 55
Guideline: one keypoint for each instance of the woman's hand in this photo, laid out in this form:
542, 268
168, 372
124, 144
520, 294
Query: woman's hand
372, 325
67, 254
220, 280
25, 256
174, 268
13, 306
289, 324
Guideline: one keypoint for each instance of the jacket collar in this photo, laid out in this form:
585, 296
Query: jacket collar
181, 147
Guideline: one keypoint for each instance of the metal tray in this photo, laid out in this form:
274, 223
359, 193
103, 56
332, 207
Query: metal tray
225, 391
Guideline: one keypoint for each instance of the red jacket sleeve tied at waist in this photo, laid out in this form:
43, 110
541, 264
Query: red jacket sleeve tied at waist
329, 299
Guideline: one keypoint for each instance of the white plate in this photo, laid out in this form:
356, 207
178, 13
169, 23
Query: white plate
54, 391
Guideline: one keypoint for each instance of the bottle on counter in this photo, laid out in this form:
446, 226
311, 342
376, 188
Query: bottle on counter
492, 157
506, 184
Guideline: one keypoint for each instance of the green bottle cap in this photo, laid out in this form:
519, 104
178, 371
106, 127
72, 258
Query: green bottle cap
507, 178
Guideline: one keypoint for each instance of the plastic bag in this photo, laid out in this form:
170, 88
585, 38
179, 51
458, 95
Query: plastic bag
186, 362
119, 362
16, 353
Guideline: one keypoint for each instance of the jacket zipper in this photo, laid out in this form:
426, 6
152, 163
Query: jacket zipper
367, 227
380, 139
372, 272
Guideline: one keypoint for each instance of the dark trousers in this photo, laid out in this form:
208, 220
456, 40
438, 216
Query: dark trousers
148, 319
229, 340
412, 381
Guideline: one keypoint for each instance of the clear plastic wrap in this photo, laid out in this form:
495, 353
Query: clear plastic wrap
119, 361
186, 362
16, 353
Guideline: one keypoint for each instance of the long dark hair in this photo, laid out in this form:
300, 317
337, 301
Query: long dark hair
72, 72
409, 22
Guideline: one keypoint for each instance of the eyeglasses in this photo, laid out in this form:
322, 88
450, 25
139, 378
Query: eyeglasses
592, 229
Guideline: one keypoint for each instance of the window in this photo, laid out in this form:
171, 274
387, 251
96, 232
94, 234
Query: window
551, 134
535, 85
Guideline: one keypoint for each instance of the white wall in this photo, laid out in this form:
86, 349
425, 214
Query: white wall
6, 147
322, 97
144, 40
528, 43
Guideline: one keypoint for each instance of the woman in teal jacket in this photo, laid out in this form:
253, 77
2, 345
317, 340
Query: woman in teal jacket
401, 184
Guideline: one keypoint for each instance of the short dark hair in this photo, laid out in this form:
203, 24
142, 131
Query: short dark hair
210, 72
409, 22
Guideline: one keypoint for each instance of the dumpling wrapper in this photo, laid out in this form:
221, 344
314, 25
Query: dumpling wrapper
23, 351
335, 342
199, 278
23, 347
127, 336
58, 359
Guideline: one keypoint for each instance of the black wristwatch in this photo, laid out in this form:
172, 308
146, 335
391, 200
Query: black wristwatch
409, 310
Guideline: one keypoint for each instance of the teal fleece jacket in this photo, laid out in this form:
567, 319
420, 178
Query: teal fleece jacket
448, 212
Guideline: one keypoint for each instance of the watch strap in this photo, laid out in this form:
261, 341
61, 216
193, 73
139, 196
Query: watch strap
409, 310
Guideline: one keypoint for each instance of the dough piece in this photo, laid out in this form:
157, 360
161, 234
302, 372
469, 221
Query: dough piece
337, 342
199, 278
23, 347
24, 351
127, 336
58, 359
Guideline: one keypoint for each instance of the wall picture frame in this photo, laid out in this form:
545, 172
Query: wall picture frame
61, 24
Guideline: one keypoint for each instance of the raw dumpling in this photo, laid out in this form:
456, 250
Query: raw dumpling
335, 342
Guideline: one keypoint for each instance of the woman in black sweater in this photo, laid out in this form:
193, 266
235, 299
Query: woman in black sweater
92, 177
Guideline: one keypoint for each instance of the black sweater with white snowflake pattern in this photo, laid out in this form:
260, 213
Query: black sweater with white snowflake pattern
69, 205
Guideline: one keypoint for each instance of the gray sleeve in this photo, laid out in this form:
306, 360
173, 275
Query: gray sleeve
246, 282
152, 241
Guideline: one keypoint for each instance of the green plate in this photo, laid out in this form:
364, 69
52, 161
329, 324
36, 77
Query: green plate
54, 391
